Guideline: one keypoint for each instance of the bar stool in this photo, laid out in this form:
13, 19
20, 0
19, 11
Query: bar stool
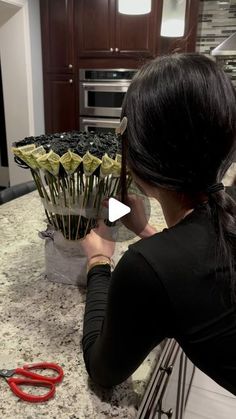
16, 191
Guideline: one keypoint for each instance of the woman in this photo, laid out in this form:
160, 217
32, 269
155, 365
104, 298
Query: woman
179, 142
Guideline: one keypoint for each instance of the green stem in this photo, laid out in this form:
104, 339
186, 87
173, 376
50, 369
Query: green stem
69, 215
51, 189
62, 216
83, 204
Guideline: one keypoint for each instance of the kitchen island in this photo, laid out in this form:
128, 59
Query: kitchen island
42, 321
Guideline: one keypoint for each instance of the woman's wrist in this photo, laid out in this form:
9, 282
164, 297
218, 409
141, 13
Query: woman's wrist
148, 231
99, 260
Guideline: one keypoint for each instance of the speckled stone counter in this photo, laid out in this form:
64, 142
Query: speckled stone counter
42, 321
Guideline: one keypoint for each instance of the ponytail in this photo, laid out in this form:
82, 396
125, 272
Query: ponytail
223, 213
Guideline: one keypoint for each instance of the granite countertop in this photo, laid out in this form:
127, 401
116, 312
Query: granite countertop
42, 321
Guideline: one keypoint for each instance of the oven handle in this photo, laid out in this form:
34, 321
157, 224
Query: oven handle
89, 85
95, 122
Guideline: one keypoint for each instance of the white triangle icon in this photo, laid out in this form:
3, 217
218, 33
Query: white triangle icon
116, 209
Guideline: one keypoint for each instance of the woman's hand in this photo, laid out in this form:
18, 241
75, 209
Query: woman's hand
99, 241
136, 220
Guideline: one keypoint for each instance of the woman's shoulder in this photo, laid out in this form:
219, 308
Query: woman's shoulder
189, 241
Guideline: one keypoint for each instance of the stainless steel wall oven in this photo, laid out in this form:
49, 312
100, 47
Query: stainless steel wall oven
101, 93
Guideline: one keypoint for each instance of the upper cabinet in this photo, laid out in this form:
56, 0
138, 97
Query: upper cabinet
95, 37
93, 34
57, 28
104, 32
137, 35
77, 30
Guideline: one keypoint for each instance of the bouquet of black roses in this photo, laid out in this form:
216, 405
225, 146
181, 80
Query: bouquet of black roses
73, 172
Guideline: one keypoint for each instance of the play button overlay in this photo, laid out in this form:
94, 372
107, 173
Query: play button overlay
116, 210
114, 213
126, 221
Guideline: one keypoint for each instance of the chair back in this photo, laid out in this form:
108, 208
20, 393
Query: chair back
16, 191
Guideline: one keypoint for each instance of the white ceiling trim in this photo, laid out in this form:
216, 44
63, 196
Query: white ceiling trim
7, 10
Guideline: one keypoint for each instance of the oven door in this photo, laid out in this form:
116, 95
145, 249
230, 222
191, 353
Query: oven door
99, 124
102, 99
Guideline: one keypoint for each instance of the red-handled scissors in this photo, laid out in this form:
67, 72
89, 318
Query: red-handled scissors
34, 380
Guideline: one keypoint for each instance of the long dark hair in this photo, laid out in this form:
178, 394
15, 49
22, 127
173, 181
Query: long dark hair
181, 134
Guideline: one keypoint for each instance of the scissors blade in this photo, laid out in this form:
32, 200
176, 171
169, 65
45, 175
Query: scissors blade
7, 373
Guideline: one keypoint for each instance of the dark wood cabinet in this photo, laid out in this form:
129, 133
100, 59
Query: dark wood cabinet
60, 103
57, 28
138, 35
59, 65
104, 32
93, 34
95, 27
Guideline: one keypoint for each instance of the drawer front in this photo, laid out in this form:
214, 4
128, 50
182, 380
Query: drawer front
168, 405
152, 403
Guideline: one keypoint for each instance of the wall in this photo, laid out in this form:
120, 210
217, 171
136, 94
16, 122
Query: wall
7, 10
217, 21
36, 66
19, 3
20, 49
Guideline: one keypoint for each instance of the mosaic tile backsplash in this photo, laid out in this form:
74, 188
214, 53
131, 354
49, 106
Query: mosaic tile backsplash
217, 21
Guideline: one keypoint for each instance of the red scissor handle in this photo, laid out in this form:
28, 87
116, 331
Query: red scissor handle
14, 383
25, 371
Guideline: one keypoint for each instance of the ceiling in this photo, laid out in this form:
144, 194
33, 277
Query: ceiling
7, 10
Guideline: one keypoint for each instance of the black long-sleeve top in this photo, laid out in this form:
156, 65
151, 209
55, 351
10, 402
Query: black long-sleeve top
167, 285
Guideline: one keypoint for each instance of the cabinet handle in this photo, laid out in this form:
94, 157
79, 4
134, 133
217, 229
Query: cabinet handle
70, 65
168, 413
111, 49
168, 369
71, 81
116, 49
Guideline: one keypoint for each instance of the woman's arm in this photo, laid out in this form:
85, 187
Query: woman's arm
124, 318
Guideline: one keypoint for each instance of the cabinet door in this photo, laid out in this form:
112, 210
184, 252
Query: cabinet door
168, 404
137, 35
57, 28
60, 103
95, 21
172, 402
161, 399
